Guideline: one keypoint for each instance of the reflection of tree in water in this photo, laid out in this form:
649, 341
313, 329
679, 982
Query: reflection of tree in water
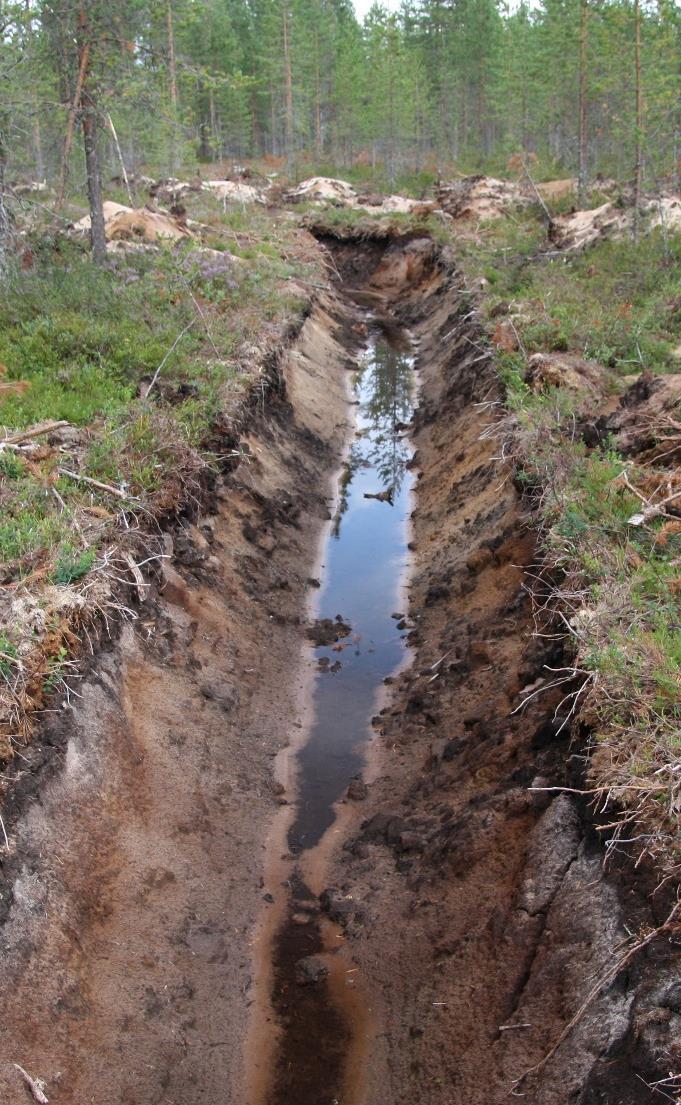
384, 390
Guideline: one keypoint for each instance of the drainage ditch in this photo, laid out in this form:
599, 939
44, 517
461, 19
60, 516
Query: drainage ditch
430, 936
360, 643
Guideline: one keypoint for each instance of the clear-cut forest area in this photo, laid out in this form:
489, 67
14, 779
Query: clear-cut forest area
340, 552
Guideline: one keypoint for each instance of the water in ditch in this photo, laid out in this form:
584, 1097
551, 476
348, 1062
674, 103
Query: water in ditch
364, 571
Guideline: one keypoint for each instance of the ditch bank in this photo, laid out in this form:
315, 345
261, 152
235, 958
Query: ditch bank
476, 918
501, 955
136, 872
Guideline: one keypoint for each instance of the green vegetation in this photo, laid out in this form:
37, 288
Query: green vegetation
72, 565
86, 343
8, 657
616, 303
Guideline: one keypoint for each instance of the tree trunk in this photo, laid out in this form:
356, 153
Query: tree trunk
638, 167
83, 63
288, 86
89, 124
216, 141
317, 100
582, 178
37, 136
172, 68
172, 87
5, 220
94, 181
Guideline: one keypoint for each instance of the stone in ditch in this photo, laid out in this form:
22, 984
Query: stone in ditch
339, 908
357, 791
310, 970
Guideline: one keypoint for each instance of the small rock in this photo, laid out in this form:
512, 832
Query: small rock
225, 695
479, 652
301, 918
310, 970
175, 589
410, 842
339, 908
358, 790
396, 827
541, 799
268, 898
437, 750
375, 828
452, 749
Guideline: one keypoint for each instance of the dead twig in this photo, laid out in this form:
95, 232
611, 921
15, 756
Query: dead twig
537, 193
177, 341
35, 431
94, 483
35, 1085
142, 587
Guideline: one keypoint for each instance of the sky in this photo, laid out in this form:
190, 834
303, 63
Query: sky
362, 6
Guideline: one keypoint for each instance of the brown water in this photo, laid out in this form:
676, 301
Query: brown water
364, 569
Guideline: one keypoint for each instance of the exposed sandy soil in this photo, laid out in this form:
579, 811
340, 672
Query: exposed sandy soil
137, 870
482, 916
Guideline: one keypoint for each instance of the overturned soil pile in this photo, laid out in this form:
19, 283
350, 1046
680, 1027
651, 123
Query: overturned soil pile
508, 931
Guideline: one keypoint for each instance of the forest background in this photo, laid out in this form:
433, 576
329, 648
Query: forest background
579, 86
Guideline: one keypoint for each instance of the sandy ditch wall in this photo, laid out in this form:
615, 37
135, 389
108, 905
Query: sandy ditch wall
136, 873
483, 918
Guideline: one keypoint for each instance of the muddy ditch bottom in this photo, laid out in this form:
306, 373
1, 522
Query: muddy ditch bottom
314, 987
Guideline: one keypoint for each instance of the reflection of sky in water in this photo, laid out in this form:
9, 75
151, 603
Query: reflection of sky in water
365, 560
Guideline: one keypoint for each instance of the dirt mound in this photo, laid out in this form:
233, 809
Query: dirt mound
140, 224
341, 194
145, 225
480, 197
583, 228
556, 189
170, 189
323, 189
110, 209
230, 191
647, 424
564, 370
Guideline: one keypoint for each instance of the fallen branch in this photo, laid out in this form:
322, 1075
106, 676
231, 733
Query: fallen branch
35, 431
650, 510
537, 193
120, 159
94, 483
35, 1085
142, 587
172, 348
